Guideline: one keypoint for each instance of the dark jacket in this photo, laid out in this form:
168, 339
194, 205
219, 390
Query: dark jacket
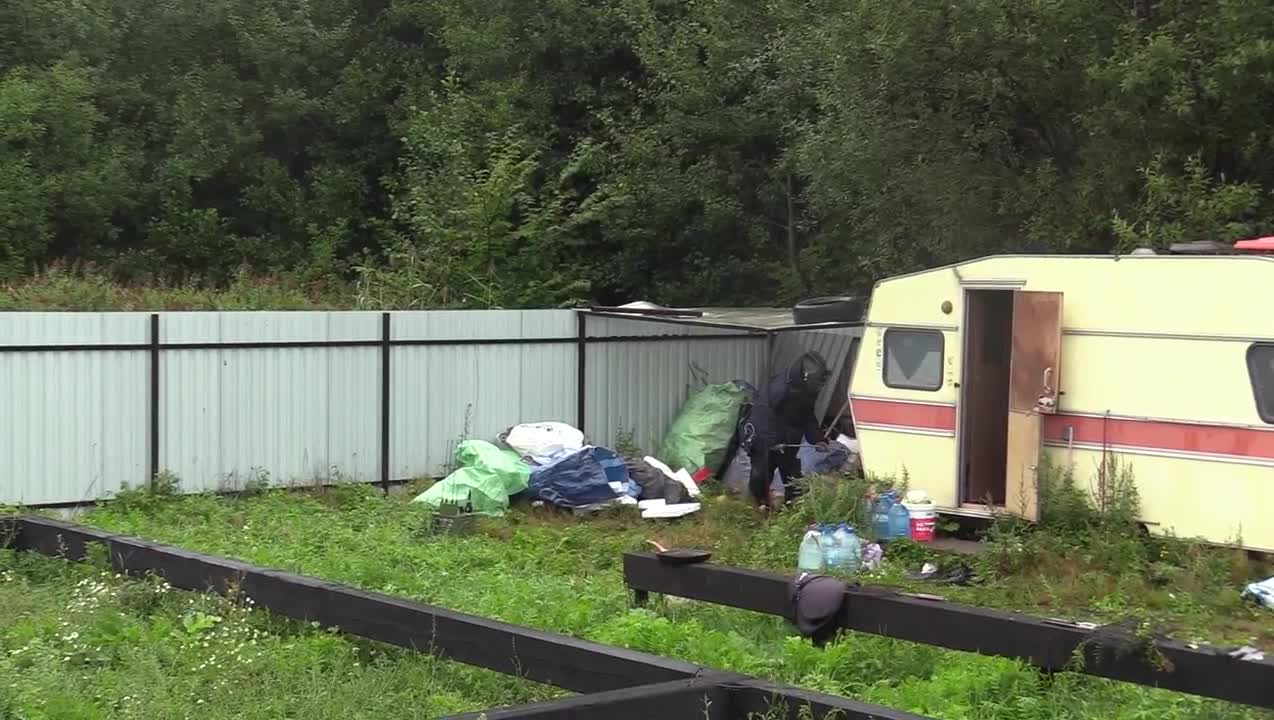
783, 416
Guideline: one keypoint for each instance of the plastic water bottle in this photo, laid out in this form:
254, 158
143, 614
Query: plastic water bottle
880, 515
899, 521
810, 555
831, 547
850, 549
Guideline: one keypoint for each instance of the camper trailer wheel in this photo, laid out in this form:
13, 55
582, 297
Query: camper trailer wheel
842, 308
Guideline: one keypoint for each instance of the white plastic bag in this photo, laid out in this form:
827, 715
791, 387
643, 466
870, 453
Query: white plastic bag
542, 441
1261, 592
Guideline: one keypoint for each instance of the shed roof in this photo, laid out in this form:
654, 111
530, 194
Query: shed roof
761, 319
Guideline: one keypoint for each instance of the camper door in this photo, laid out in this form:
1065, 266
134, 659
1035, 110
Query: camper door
1033, 392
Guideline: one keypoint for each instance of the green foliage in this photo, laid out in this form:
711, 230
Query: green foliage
422, 153
1188, 206
77, 641
626, 444
370, 541
164, 485
827, 499
1112, 503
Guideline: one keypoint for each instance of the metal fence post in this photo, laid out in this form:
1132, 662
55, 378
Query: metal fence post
385, 349
581, 383
154, 399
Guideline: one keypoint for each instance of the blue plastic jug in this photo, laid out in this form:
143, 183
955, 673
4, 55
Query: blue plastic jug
849, 549
880, 515
899, 521
831, 547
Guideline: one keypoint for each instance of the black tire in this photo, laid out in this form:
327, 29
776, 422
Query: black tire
841, 308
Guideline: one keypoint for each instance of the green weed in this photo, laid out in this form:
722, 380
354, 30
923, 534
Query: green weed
84, 287
564, 574
78, 641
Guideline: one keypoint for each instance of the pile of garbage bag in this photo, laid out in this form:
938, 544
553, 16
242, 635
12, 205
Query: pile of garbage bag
551, 462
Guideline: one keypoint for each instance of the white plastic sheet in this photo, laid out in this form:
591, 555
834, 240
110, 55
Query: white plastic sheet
542, 441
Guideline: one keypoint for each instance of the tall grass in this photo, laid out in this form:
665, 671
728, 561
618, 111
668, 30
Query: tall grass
78, 642
85, 289
564, 575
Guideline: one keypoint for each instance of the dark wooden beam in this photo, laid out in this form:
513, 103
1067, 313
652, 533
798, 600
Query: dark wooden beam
710, 697
1048, 644
761, 699
703, 698
543, 657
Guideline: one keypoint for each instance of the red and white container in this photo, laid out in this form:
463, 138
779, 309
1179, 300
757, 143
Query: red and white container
924, 515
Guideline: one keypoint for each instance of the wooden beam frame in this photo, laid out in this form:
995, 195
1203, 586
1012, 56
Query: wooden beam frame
763, 699
718, 696
1050, 645
557, 660
618, 684
703, 697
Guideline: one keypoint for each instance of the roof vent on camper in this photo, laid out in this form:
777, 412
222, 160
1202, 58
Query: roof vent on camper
1143, 251
1201, 247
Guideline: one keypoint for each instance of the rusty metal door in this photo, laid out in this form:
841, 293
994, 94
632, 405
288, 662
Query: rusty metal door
1034, 378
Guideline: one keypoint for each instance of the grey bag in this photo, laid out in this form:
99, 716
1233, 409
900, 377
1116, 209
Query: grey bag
654, 484
737, 477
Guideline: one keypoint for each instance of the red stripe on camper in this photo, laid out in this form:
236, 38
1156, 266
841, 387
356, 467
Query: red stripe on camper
1162, 435
926, 416
1138, 433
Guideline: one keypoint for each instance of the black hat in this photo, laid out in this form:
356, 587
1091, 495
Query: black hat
816, 604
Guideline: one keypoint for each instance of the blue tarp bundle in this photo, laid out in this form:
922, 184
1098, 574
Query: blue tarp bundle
583, 477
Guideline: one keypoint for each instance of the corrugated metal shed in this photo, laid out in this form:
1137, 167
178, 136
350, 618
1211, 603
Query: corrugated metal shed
838, 346
837, 343
636, 387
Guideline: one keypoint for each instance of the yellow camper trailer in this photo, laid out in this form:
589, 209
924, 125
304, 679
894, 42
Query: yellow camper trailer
1165, 362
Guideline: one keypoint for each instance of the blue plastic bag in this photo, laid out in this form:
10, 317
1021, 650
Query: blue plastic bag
582, 478
822, 462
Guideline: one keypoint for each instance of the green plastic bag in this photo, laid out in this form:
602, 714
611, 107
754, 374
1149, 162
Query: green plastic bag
700, 435
487, 476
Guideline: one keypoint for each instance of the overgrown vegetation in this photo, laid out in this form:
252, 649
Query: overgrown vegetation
425, 153
78, 642
355, 535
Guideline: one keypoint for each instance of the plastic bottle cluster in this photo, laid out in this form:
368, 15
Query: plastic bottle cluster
890, 517
830, 547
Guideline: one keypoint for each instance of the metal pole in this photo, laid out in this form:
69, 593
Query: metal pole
581, 382
154, 399
384, 401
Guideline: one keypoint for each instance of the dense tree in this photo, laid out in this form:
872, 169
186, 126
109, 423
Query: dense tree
499, 152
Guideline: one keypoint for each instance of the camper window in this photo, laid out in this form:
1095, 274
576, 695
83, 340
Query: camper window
1260, 366
913, 359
